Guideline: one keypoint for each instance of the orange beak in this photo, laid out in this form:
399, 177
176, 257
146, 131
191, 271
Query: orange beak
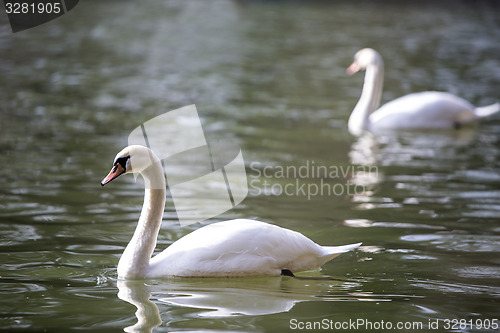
353, 68
114, 173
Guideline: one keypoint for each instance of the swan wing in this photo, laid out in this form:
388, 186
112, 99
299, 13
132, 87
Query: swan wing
428, 109
241, 248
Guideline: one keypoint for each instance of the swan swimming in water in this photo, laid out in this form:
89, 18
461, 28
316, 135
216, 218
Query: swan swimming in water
428, 109
234, 248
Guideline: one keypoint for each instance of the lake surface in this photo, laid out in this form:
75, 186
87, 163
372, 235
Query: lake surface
268, 76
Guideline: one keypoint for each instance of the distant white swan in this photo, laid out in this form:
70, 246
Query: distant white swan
234, 248
429, 109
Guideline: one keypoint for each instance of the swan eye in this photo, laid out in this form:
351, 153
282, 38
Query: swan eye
122, 161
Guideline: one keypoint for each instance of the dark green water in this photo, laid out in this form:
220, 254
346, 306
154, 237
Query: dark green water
269, 76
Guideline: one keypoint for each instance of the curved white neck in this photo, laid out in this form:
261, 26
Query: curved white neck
134, 262
369, 101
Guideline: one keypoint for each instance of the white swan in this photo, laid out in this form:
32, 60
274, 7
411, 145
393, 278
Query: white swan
429, 109
232, 248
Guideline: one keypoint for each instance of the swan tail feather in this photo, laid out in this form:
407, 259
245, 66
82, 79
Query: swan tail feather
485, 111
333, 251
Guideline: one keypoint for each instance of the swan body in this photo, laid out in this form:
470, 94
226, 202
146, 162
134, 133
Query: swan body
234, 248
429, 109
242, 247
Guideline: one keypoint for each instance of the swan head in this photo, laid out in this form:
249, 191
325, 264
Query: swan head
131, 159
363, 59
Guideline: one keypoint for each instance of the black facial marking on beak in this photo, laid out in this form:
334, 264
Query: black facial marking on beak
122, 161
119, 168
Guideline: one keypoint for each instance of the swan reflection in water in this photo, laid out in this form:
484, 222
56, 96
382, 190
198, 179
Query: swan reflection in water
136, 293
229, 297
397, 148
391, 155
